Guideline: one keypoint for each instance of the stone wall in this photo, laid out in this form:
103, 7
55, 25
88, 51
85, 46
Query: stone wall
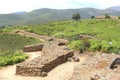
53, 55
33, 48
43, 38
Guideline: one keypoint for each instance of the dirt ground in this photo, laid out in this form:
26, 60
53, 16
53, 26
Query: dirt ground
97, 67
61, 72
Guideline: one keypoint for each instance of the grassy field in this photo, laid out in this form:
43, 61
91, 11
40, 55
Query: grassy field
105, 33
11, 46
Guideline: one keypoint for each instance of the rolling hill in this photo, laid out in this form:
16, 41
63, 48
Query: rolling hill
47, 15
115, 8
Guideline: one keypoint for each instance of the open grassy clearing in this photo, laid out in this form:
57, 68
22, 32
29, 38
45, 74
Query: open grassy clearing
11, 46
106, 33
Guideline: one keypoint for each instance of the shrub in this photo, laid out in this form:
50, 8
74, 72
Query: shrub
3, 61
76, 16
104, 46
95, 45
92, 17
118, 17
12, 58
107, 16
110, 46
77, 45
86, 43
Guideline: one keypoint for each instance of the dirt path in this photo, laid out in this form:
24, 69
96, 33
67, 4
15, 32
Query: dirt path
61, 72
8, 73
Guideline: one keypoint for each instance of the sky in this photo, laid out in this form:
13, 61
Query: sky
10, 6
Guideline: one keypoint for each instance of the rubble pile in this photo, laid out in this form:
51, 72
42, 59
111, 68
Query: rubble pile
97, 67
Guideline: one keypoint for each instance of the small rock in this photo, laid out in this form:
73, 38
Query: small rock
43, 74
69, 59
66, 48
76, 59
50, 39
95, 77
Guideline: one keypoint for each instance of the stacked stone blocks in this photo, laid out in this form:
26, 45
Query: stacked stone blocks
53, 55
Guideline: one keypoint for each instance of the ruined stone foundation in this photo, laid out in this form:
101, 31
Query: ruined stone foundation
53, 55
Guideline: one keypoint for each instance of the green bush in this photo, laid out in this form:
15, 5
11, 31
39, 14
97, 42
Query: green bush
86, 43
104, 46
77, 45
10, 44
12, 58
110, 46
95, 45
3, 61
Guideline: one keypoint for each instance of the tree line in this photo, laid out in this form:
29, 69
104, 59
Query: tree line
77, 16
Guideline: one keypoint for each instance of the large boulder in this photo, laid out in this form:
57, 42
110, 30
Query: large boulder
115, 63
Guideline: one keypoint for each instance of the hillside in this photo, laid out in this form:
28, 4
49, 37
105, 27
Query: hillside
91, 34
95, 42
115, 8
11, 46
48, 15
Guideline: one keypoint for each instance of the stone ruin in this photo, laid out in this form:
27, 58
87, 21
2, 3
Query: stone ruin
53, 55
97, 67
39, 47
33, 48
59, 42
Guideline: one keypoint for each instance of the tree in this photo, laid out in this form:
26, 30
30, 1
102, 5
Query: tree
118, 17
76, 16
92, 17
107, 16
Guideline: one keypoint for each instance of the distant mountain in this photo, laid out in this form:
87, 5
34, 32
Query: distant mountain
115, 8
47, 15
18, 12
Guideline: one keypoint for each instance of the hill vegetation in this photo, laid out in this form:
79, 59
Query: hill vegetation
91, 35
49, 15
11, 46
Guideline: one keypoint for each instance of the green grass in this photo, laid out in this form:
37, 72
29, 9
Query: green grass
98, 28
15, 41
11, 58
77, 45
105, 32
11, 46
